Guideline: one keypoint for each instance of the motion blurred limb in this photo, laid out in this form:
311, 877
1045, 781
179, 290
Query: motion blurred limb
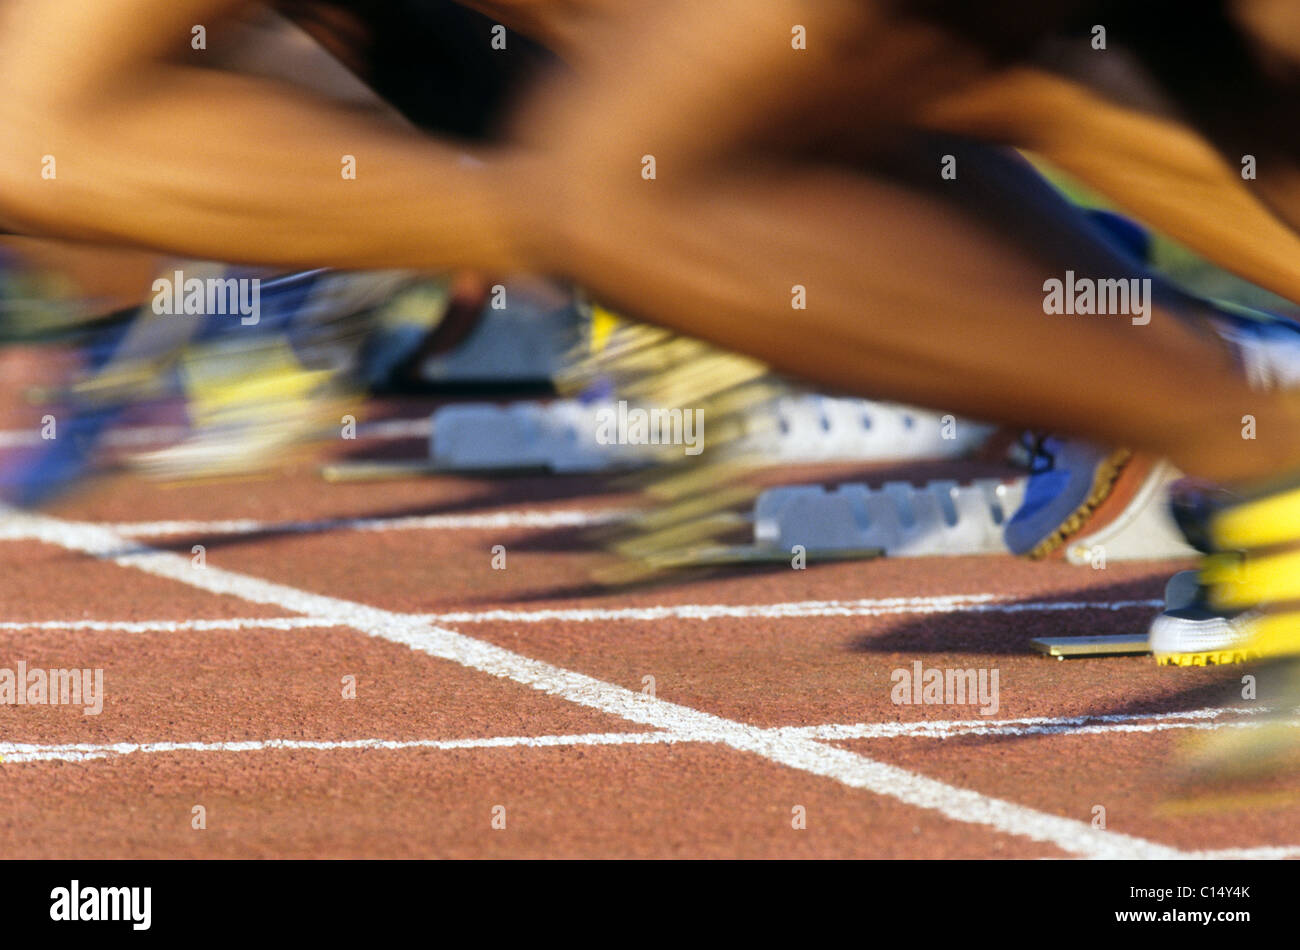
1160, 170
917, 298
155, 150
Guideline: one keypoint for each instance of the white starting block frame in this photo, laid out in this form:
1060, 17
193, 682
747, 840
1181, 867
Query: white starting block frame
939, 518
561, 435
558, 436
945, 518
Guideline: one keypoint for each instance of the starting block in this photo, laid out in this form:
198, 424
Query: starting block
939, 518
945, 518
561, 435
813, 428
528, 341
558, 436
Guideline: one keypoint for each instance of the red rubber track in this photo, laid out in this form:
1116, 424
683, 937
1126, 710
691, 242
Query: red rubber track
694, 797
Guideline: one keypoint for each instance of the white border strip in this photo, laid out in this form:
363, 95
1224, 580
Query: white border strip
808, 755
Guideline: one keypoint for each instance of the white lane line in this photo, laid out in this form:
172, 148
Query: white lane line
1209, 718
972, 603
1266, 853
861, 608
488, 521
16, 752
169, 626
1108, 728
808, 755
420, 428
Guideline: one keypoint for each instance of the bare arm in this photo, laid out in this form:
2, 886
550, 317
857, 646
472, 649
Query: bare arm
152, 149
1158, 169
688, 81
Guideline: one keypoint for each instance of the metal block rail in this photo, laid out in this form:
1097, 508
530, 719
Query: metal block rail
561, 435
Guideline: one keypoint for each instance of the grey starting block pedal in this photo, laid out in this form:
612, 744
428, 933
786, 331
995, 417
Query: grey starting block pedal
939, 518
559, 436
565, 435
1120, 645
527, 341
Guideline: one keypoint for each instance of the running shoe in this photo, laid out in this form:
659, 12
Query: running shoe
1191, 631
1068, 481
1248, 598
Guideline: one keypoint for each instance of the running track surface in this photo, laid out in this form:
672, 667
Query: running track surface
524, 694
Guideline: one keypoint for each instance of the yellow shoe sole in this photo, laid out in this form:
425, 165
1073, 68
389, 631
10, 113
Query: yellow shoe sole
1211, 658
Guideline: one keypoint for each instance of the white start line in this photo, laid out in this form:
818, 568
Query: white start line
1198, 719
793, 750
975, 603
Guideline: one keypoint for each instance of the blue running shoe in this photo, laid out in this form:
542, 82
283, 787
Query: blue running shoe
1068, 482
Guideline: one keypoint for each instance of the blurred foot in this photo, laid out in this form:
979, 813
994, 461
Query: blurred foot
1192, 632
249, 414
1068, 481
1243, 607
